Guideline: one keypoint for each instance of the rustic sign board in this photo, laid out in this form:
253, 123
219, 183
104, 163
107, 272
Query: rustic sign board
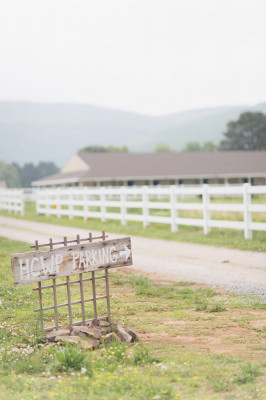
37, 266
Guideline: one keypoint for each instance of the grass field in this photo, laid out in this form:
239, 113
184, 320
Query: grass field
217, 237
196, 343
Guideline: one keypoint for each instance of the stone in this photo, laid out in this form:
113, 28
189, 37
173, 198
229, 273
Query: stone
111, 337
132, 333
66, 326
96, 343
87, 345
105, 330
104, 323
122, 334
85, 331
77, 331
53, 334
67, 339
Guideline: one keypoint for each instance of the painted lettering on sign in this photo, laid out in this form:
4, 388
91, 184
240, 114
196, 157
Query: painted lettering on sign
41, 265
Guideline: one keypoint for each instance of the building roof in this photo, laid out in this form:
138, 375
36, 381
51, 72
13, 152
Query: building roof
139, 166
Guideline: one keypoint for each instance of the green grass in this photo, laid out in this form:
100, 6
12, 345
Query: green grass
183, 353
217, 237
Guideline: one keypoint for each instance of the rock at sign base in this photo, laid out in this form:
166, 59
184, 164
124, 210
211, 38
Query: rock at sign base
53, 334
132, 333
67, 339
111, 337
105, 330
85, 331
122, 334
104, 323
89, 344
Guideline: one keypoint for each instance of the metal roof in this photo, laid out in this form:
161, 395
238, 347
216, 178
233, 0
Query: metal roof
133, 166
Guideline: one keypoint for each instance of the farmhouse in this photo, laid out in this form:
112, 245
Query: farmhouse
117, 169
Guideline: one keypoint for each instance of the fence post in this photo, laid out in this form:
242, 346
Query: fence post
22, 208
247, 212
145, 206
103, 207
47, 204
86, 202
71, 208
206, 211
123, 205
37, 202
9, 204
173, 198
58, 200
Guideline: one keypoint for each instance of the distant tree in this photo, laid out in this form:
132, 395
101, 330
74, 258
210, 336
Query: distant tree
113, 149
29, 172
192, 146
196, 146
45, 168
247, 133
102, 149
209, 146
162, 148
9, 174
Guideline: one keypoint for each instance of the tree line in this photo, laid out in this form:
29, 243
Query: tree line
22, 176
247, 133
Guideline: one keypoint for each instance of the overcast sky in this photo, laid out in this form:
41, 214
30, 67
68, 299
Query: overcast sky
149, 56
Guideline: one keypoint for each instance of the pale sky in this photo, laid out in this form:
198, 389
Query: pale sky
149, 56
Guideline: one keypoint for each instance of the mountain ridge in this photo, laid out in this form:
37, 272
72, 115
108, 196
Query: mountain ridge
32, 131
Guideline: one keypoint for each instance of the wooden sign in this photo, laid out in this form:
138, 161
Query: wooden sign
37, 266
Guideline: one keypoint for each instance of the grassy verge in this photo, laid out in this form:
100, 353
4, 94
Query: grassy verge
218, 237
196, 343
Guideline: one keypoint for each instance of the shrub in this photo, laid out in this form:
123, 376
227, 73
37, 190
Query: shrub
219, 385
217, 307
247, 373
70, 358
143, 356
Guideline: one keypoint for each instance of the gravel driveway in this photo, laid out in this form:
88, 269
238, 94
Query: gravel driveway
234, 270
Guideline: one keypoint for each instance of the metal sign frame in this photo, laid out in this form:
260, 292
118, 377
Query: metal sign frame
69, 283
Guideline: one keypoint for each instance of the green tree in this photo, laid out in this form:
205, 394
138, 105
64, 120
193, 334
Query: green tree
29, 172
192, 146
162, 148
247, 133
103, 149
114, 149
9, 174
209, 146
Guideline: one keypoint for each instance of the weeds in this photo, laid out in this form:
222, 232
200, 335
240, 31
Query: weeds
217, 307
248, 372
220, 385
115, 352
143, 356
69, 358
201, 306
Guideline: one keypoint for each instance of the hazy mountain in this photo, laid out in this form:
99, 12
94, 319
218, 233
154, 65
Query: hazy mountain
31, 132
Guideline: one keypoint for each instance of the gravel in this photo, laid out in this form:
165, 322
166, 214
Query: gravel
233, 270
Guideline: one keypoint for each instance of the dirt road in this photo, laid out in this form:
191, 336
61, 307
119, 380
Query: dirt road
234, 270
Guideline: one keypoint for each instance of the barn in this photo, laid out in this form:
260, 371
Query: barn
191, 168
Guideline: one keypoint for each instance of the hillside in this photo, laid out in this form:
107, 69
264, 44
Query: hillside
31, 132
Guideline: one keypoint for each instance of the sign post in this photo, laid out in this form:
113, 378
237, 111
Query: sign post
73, 257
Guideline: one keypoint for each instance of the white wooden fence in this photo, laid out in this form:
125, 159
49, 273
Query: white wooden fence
12, 200
136, 204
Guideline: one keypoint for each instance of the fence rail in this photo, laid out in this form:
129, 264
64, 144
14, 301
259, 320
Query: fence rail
12, 200
139, 203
